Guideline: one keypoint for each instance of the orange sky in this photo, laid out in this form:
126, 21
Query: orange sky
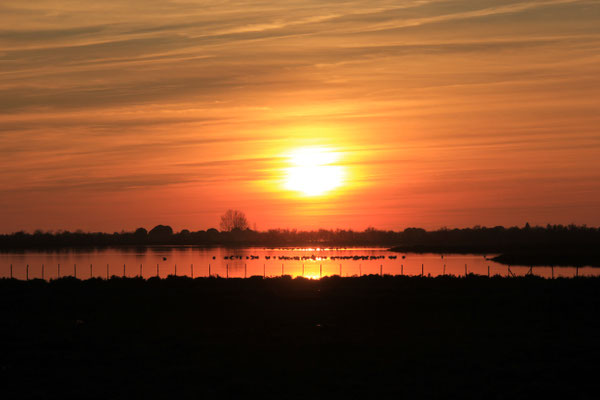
119, 114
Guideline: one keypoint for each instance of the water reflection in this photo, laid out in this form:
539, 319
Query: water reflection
245, 262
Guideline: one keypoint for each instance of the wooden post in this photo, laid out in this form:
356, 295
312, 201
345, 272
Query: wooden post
444, 270
175, 269
124, 274
209, 270
401, 269
27, 272
380, 269
227, 271
157, 274
245, 270
488, 271
91, 271
192, 269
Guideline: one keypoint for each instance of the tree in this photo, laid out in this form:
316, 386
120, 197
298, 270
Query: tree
160, 233
141, 233
233, 219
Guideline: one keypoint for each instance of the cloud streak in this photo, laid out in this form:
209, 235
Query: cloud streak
98, 98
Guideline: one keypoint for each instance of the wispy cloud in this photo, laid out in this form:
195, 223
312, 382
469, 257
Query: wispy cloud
146, 94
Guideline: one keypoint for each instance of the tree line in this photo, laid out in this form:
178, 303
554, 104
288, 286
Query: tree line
475, 239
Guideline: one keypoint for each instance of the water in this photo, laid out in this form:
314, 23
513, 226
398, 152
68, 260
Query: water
307, 262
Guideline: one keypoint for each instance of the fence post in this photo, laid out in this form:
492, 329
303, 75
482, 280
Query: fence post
380, 269
157, 274
27, 272
192, 268
124, 273
488, 271
209, 270
91, 271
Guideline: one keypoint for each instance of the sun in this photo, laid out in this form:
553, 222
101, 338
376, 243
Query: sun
313, 171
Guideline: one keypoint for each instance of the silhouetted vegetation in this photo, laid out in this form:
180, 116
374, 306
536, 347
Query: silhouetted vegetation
469, 240
370, 337
233, 219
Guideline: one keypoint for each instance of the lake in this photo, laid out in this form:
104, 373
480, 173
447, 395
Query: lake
245, 262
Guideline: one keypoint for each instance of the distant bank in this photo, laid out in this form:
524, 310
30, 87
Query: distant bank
532, 255
558, 245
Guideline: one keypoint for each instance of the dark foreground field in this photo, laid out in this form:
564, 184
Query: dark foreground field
367, 337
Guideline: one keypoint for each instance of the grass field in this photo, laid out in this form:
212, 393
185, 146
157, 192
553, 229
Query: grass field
369, 337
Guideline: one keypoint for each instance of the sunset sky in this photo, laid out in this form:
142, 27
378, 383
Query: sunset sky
118, 114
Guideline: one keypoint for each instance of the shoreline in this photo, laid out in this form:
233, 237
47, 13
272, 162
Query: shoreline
583, 256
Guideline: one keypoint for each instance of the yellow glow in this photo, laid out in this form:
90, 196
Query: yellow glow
311, 276
313, 172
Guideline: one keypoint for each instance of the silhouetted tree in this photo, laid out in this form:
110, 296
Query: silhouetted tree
233, 219
141, 233
160, 233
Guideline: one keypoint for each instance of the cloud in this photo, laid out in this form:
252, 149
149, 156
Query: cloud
101, 97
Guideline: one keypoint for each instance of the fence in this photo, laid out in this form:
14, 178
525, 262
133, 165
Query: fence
104, 271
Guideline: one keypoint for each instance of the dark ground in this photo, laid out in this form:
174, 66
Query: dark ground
369, 337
